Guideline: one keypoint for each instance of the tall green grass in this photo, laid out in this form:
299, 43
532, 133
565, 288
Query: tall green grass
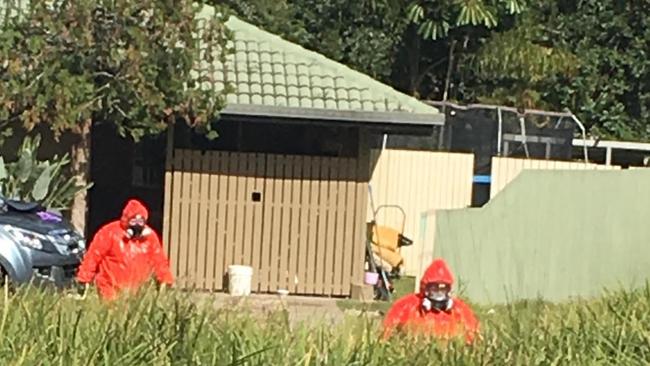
41, 327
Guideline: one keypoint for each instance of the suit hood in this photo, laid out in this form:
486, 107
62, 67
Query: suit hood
438, 271
132, 209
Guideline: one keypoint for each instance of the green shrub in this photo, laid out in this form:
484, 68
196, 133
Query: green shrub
43, 181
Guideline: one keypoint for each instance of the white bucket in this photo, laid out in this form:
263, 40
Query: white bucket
239, 280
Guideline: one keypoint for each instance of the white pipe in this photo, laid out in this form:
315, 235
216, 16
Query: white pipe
584, 137
616, 145
522, 127
503, 108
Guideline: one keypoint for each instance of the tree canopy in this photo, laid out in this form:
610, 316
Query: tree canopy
135, 64
132, 63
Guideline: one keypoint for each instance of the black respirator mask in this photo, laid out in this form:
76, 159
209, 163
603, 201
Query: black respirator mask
136, 227
436, 297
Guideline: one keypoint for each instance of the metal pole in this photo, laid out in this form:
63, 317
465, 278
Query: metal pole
500, 135
373, 265
522, 126
568, 114
441, 135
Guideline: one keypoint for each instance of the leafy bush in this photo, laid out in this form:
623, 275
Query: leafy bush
44, 181
42, 327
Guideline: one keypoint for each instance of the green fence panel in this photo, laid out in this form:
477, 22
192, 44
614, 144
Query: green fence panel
551, 235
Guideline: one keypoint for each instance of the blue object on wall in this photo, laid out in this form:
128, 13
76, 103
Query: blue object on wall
482, 179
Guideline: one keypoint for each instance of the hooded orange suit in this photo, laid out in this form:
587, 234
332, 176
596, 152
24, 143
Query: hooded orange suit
116, 262
408, 313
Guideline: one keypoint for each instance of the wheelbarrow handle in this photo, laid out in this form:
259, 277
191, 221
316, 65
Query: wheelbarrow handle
393, 206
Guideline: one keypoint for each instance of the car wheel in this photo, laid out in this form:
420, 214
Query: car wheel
5, 280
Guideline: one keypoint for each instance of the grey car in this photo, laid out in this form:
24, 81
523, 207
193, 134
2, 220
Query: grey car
37, 246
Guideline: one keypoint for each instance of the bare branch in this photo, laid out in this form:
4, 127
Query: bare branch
36, 79
104, 73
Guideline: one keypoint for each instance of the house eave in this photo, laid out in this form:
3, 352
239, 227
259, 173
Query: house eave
360, 117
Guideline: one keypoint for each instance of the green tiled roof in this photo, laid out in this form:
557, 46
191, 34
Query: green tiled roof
269, 71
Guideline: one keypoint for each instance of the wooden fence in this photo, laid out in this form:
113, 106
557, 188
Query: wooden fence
504, 170
419, 181
299, 221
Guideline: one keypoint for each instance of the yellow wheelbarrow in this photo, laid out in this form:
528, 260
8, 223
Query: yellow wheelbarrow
384, 243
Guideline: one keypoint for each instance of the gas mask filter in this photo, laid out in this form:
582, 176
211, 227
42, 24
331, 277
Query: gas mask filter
436, 296
136, 227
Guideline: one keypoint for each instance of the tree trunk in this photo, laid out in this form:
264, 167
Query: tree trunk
450, 68
80, 161
445, 95
414, 66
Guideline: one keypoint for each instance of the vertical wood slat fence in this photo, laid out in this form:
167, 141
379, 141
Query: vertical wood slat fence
297, 220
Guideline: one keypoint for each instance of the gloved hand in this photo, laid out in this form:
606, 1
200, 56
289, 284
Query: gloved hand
162, 287
80, 291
